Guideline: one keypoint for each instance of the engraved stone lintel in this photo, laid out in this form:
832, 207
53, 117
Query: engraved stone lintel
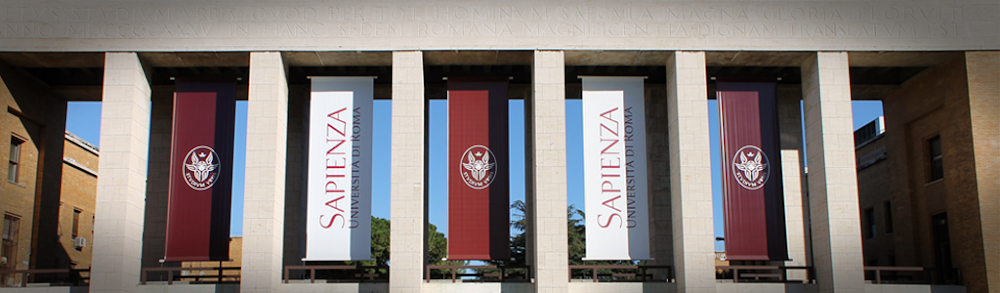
830, 25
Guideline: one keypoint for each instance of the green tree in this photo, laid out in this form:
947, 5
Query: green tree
437, 242
576, 240
380, 244
438, 251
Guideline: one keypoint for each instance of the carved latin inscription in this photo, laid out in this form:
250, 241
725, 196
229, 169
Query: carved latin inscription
708, 20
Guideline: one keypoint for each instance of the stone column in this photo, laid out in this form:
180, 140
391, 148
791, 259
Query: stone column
690, 172
121, 183
154, 238
796, 207
833, 184
547, 202
264, 196
408, 227
658, 154
983, 71
791, 173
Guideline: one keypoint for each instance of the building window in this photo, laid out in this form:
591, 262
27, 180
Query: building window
8, 256
76, 222
937, 166
887, 208
869, 223
15, 159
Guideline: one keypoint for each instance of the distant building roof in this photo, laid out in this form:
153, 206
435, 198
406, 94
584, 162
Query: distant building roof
870, 132
82, 143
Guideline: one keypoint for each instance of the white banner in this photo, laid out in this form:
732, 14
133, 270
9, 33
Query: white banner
338, 225
614, 156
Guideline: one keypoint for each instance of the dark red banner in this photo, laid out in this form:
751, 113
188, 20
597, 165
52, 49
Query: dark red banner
478, 178
201, 168
753, 201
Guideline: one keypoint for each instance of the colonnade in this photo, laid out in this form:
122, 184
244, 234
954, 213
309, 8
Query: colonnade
833, 198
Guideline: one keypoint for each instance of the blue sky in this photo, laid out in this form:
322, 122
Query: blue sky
83, 119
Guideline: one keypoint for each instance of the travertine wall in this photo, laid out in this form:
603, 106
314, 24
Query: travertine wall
690, 172
547, 128
407, 190
121, 181
480, 24
833, 186
264, 195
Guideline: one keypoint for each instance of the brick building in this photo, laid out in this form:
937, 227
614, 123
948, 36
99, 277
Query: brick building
76, 207
928, 185
32, 128
23, 246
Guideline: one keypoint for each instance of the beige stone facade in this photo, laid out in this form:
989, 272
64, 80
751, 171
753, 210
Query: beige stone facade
933, 63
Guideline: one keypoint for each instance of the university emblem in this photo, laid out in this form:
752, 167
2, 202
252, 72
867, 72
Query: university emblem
478, 167
200, 167
750, 167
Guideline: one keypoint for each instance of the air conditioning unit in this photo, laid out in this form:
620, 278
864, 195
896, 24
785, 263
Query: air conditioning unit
80, 242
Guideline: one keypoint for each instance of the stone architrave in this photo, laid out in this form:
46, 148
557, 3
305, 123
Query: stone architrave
231, 25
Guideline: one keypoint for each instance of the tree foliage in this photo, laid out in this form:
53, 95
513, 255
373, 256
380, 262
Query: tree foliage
438, 246
380, 244
576, 239
437, 242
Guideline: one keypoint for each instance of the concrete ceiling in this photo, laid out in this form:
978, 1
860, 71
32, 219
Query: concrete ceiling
899, 59
756, 58
478, 58
195, 59
340, 58
384, 58
53, 60
77, 76
616, 58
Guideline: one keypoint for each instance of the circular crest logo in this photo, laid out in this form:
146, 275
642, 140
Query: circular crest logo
200, 167
750, 167
478, 167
